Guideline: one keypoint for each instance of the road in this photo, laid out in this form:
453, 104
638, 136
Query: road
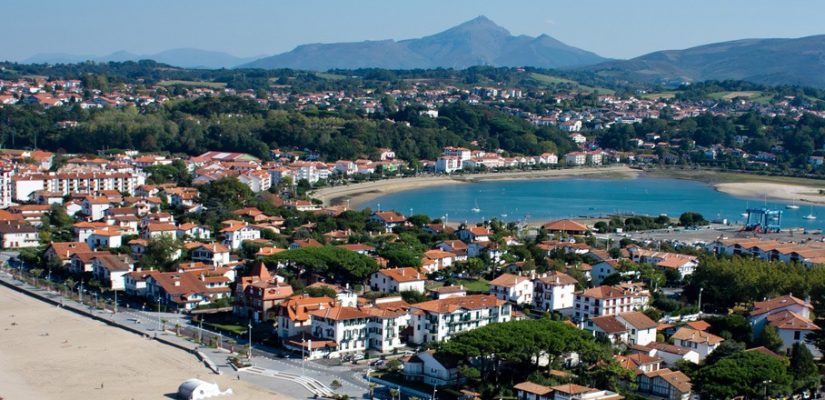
296, 379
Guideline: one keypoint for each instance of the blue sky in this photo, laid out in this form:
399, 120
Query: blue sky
611, 28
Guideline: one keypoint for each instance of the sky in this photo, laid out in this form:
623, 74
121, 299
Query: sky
610, 28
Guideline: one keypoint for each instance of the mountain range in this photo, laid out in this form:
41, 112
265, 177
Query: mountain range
184, 58
476, 42
480, 41
798, 61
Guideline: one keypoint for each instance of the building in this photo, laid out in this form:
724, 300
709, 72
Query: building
396, 280
108, 237
448, 164
346, 326
532, 391
565, 226
437, 320
111, 269
664, 383
212, 253
554, 292
683, 263
703, 343
789, 316
63, 251
516, 289
292, 316
630, 328
389, 219
602, 301
16, 235
431, 368
233, 236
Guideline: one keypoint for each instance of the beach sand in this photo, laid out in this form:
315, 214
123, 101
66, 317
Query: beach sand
779, 191
50, 353
360, 193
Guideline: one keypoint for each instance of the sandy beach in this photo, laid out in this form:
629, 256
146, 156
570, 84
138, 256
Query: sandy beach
49, 353
776, 191
360, 193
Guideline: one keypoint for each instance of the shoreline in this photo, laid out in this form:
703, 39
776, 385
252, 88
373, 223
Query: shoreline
51, 353
359, 193
774, 191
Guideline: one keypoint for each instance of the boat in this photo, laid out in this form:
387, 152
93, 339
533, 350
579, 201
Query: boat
792, 206
476, 209
811, 215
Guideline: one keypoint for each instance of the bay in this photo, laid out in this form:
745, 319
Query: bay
550, 199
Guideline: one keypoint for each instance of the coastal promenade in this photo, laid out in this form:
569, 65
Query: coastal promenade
269, 375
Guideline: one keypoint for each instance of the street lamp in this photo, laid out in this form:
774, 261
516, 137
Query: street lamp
701, 289
766, 383
158, 313
250, 340
435, 390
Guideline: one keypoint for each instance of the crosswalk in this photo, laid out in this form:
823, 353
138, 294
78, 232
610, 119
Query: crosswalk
313, 385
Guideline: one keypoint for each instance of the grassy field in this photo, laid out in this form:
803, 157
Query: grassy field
214, 85
233, 328
549, 80
659, 95
330, 77
724, 177
480, 285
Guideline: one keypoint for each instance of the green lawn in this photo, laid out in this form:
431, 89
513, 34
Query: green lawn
549, 80
233, 328
480, 285
330, 77
659, 95
214, 85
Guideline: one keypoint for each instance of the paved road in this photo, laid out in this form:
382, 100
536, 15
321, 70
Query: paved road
296, 378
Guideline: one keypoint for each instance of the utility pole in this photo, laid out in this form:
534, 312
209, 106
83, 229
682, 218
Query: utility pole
700, 299
80, 291
158, 313
115, 301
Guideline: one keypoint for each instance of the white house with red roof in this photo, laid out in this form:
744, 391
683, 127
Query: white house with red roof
390, 219
789, 316
396, 280
602, 300
516, 289
474, 234
233, 236
554, 291
437, 320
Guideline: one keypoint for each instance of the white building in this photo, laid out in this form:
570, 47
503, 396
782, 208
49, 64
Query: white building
438, 320
575, 158
396, 280
233, 236
789, 316
17, 235
109, 237
448, 164
703, 343
602, 301
431, 369
554, 292
516, 289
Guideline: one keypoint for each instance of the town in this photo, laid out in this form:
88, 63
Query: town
189, 210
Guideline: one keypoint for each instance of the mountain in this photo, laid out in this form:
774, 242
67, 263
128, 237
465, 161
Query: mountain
475, 42
184, 57
798, 61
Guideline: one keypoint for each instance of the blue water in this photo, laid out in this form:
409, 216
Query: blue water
541, 200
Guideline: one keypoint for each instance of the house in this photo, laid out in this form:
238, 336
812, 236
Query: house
444, 292
702, 342
81, 262
396, 280
109, 237
565, 226
135, 282
346, 326
293, 317
516, 289
532, 391
304, 243
670, 354
431, 368
575, 158
683, 263
665, 383
389, 318
187, 290
572, 391
111, 269
212, 253
95, 207
457, 247
257, 296
344, 295
789, 316
601, 301
389, 219
630, 328
16, 235
448, 164
234, 235
638, 362
193, 231
438, 320
474, 234
554, 292
154, 230
440, 260
360, 248
62, 251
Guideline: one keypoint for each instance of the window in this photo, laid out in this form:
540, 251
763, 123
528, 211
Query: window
797, 335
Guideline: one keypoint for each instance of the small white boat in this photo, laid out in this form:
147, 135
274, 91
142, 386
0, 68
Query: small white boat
792, 206
476, 209
811, 215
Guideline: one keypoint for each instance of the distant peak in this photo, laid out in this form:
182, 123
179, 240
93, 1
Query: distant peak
480, 23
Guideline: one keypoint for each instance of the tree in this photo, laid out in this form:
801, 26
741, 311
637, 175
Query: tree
413, 296
692, 219
726, 349
747, 373
321, 291
161, 253
803, 368
770, 339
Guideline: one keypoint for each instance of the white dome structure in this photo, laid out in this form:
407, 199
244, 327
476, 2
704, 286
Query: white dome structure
196, 389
